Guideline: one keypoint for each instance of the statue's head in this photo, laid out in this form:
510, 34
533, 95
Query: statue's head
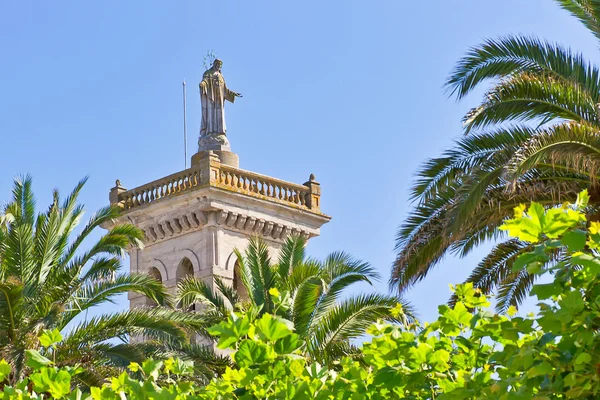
217, 64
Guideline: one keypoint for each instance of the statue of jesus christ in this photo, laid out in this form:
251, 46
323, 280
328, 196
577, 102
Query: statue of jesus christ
213, 93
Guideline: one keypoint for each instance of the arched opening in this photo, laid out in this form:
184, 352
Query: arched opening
238, 284
154, 273
185, 269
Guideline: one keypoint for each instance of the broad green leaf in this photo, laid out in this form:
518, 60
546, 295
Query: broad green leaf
439, 359
583, 358
537, 213
230, 331
573, 302
583, 199
574, 240
50, 337
546, 290
103, 393
522, 229
274, 328
459, 314
543, 368
181, 367
76, 394
420, 354
536, 258
35, 360
288, 344
152, 368
250, 353
60, 385
4, 370
588, 261
51, 380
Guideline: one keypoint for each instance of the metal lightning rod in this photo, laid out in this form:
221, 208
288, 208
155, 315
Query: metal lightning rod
184, 128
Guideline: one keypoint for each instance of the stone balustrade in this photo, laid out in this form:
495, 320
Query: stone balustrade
258, 185
153, 191
212, 173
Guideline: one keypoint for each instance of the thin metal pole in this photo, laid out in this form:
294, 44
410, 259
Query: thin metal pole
184, 128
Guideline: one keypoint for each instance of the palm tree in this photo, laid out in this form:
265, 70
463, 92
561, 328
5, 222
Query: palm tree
48, 282
310, 296
535, 137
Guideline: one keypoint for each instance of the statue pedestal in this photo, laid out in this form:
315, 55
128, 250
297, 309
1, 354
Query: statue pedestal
225, 157
219, 145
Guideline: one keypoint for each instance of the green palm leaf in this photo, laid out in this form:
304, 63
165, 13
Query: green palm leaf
47, 282
350, 318
463, 196
587, 11
516, 54
291, 255
526, 97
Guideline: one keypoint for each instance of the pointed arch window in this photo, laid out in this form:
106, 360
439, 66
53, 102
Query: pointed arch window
154, 273
185, 269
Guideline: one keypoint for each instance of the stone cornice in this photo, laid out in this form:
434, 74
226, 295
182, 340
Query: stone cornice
190, 221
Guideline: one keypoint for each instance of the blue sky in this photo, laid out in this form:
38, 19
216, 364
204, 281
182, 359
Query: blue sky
350, 91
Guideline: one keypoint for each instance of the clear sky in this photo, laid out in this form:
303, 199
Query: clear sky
349, 90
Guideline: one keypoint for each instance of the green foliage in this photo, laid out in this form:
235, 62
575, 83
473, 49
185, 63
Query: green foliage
304, 291
47, 280
50, 337
467, 353
533, 137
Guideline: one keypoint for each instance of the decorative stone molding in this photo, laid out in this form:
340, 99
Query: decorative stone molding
170, 228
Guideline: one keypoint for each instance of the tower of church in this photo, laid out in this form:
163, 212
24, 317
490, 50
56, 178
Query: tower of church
194, 219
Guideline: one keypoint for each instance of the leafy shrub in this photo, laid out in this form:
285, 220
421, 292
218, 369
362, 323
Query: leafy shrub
467, 353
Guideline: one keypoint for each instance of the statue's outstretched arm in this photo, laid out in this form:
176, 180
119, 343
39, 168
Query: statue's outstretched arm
230, 95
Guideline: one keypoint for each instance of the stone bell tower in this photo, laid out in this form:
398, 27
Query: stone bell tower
195, 218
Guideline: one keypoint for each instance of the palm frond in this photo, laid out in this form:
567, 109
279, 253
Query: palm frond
304, 302
99, 292
291, 255
104, 214
468, 153
432, 236
514, 289
11, 313
229, 292
515, 54
573, 145
350, 318
532, 97
257, 274
587, 11
157, 322
191, 290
